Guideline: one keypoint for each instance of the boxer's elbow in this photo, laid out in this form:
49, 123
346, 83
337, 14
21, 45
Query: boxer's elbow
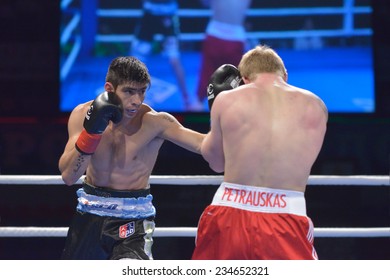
68, 180
69, 177
219, 168
214, 156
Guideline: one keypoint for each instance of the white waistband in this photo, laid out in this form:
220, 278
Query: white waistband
260, 199
125, 208
226, 31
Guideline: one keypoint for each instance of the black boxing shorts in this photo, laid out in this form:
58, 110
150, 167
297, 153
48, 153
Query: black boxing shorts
111, 224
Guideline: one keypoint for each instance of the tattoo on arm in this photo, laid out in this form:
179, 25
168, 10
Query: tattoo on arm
79, 163
169, 118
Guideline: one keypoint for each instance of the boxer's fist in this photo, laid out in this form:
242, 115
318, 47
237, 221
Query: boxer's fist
226, 77
105, 108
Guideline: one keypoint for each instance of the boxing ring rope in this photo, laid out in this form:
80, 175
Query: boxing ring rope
251, 12
347, 10
70, 35
358, 180
190, 232
196, 180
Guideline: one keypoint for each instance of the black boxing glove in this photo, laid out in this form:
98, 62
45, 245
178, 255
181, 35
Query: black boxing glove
226, 77
105, 108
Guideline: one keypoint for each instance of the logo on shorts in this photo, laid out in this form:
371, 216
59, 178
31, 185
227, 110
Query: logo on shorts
126, 230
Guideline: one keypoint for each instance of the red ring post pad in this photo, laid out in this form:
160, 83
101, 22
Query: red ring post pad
87, 143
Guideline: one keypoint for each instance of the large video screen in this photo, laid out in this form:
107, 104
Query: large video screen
326, 47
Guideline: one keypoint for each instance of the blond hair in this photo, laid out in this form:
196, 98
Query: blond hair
261, 59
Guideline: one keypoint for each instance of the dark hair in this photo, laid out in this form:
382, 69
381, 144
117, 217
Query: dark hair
125, 69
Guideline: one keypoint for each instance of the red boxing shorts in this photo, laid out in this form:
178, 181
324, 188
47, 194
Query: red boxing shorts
255, 223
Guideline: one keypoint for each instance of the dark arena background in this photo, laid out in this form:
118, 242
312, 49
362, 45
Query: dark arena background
33, 128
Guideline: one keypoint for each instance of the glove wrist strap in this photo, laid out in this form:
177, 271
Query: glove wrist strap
87, 143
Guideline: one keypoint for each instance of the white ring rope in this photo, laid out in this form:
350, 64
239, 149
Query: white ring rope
70, 36
65, 69
126, 13
347, 10
358, 180
195, 180
70, 28
190, 232
251, 35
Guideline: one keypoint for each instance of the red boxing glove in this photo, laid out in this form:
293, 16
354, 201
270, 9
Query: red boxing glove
87, 143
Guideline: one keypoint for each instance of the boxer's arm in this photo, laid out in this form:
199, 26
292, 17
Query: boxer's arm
172, 130
85, 128
226, 77
212, 145
73, 164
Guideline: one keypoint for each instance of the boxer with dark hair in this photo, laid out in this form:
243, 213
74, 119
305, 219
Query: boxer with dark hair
115, 140
265, 136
